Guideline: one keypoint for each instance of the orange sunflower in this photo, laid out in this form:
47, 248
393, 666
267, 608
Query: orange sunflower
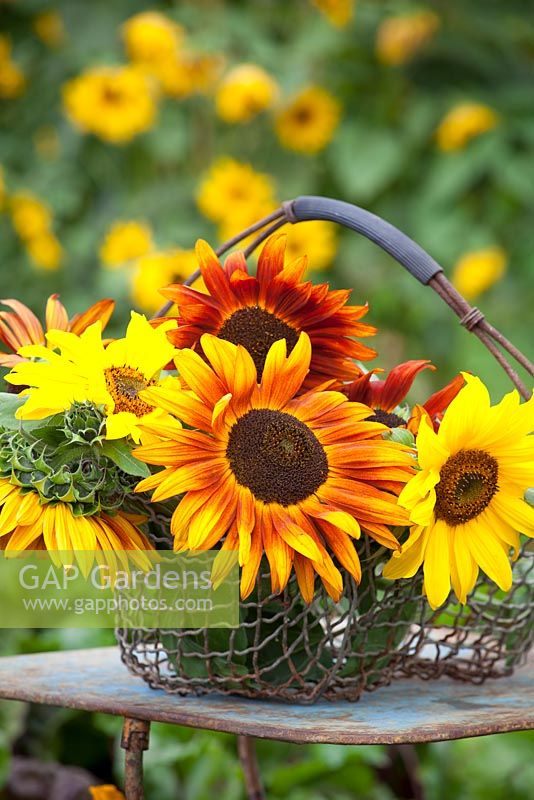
383, 396
257, 311
20, 326
294, 477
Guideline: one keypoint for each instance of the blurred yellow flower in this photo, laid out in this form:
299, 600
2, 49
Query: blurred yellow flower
307, 123
159, 269
151, 38
233, 189
45, 251
32, 221
114, 103
400, 38
155, 43
124, 242
49, 28
337, 12
29, 215
12, 80
245, 91
316, 239
189, 73
464, 122
477, 271
105, 792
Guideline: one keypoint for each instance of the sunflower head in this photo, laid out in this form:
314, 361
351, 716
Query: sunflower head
266, 470
467, 501
386, 396
275, 304
85, 370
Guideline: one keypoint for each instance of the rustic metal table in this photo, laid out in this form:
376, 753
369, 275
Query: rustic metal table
406, 712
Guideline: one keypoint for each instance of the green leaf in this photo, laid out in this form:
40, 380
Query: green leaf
120, 453
9, 403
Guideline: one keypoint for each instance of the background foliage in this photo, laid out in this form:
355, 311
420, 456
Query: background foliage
385, 155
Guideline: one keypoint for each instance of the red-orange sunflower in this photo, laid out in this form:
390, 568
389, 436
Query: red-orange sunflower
383, 396
275, 304
294, 477
20, 326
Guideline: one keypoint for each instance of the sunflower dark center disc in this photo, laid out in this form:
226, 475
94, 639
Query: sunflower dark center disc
124, 385
257, 329
276, 456
468, 481
387, 418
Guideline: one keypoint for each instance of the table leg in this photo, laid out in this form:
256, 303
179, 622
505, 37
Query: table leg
135, 740
247, 753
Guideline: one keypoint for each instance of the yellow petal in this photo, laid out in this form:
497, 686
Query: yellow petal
406, 563
489, 553
437, 569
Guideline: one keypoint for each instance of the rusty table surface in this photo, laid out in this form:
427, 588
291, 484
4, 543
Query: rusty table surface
406, 711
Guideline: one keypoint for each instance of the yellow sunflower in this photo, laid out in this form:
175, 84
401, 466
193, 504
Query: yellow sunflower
477, 271
464, 122
308, 122
268, 472
124, 242
244, 92
338, 12
85, 370
114, 103
467, 502
27, 524
232, 188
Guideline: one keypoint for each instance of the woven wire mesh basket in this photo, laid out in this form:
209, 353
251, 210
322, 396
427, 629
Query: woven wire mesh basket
380, 630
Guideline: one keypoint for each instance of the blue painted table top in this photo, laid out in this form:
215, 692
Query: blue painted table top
406, 711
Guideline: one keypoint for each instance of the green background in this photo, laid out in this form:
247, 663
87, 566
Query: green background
384, 158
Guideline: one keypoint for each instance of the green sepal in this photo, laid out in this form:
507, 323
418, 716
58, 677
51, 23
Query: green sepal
402, 436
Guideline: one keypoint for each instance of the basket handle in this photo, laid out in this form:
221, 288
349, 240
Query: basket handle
391, 239
403, 249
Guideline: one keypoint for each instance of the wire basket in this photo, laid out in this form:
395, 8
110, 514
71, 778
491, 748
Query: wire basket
380, 630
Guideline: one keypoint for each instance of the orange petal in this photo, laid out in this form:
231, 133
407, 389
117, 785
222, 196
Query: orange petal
271, 261
437, 403
250, 569
215, 278
199, 376
305, 577
293, 535
31, 329
56, 316
343, 549
388, 394
102, 310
